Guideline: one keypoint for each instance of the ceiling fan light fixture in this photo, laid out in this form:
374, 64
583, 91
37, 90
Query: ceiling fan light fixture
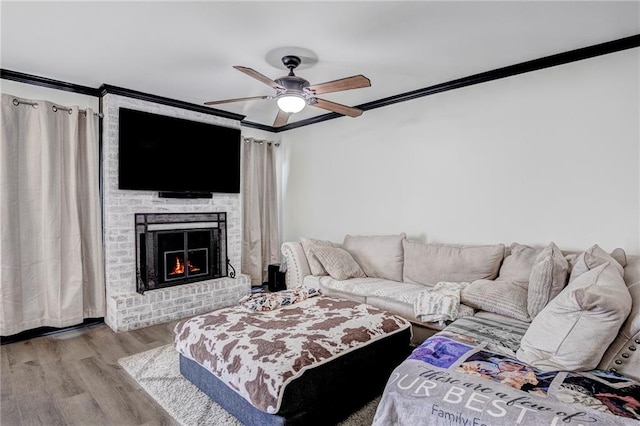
291, 104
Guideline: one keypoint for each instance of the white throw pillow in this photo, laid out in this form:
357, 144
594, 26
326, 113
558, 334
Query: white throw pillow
314, 265
380, 256
596, 256
499, 297
548, 278
575, 329
516, 267
338, 263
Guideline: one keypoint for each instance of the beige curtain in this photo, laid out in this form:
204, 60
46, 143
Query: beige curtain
260, 246
51, 260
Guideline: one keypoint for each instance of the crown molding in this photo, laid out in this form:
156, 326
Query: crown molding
508, 71
504, 72
47, 82
107, 89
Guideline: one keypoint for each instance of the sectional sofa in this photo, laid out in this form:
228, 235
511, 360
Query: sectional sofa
432, 285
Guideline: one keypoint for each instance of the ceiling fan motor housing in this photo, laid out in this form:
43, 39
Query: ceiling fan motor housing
294, 86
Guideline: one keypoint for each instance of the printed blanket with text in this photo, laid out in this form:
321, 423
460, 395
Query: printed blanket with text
468, 375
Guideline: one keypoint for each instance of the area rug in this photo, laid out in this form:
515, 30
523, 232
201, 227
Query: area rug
157, 371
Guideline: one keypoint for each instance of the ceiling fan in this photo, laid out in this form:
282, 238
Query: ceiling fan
293, 93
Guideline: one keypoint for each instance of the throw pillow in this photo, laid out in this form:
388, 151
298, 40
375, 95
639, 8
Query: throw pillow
596, 256
314, 265
499, 297
431, 263
575, 329
620, 255
548, 278
516, 267
380, 256
338, 263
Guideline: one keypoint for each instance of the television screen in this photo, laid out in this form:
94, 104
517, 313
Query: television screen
160, 153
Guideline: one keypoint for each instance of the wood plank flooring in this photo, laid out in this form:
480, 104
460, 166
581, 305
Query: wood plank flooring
73, 378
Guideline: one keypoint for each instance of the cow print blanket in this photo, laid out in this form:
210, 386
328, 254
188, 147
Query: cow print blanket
258, 353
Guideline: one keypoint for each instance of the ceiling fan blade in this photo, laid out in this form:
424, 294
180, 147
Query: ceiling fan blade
339, 108
226, 101
260, 77
355, 82
281, 118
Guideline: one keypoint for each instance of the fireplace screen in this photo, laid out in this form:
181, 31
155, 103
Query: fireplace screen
178, 248
184, 254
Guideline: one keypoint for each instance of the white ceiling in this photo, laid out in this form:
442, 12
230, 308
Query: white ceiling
186, 50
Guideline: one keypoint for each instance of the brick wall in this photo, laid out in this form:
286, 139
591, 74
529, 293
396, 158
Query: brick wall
126, 309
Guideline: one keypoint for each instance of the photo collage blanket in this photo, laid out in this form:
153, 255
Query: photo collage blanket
468, 375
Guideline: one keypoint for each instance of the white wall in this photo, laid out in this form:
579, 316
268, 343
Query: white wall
552, 155
60, 97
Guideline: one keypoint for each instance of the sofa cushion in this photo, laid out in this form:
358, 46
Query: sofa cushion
314, 264
390, 289
499, 297
596, 256
575, 329
499, 318
548, 278
392, 296
431, 263
517, 265
338, 262
343, 294
379, 256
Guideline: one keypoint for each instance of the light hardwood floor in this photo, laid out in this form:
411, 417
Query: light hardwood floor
73, 378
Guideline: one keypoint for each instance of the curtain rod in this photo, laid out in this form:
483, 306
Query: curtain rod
55, 108
261, 141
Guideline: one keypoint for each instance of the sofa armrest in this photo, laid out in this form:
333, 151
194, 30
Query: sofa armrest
623, 355
297, 264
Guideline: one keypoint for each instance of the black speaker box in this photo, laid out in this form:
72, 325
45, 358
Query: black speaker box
276, 278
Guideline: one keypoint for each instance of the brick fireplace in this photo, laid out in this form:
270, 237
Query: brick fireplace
127, 308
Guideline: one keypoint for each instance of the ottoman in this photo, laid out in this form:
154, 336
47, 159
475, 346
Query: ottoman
312, 362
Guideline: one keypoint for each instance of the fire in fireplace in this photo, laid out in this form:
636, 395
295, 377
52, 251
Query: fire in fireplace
179, 248
179, 270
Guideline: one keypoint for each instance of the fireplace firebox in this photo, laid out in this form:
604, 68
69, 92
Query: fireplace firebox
180, 248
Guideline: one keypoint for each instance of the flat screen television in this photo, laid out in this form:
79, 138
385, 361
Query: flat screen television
177, 157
